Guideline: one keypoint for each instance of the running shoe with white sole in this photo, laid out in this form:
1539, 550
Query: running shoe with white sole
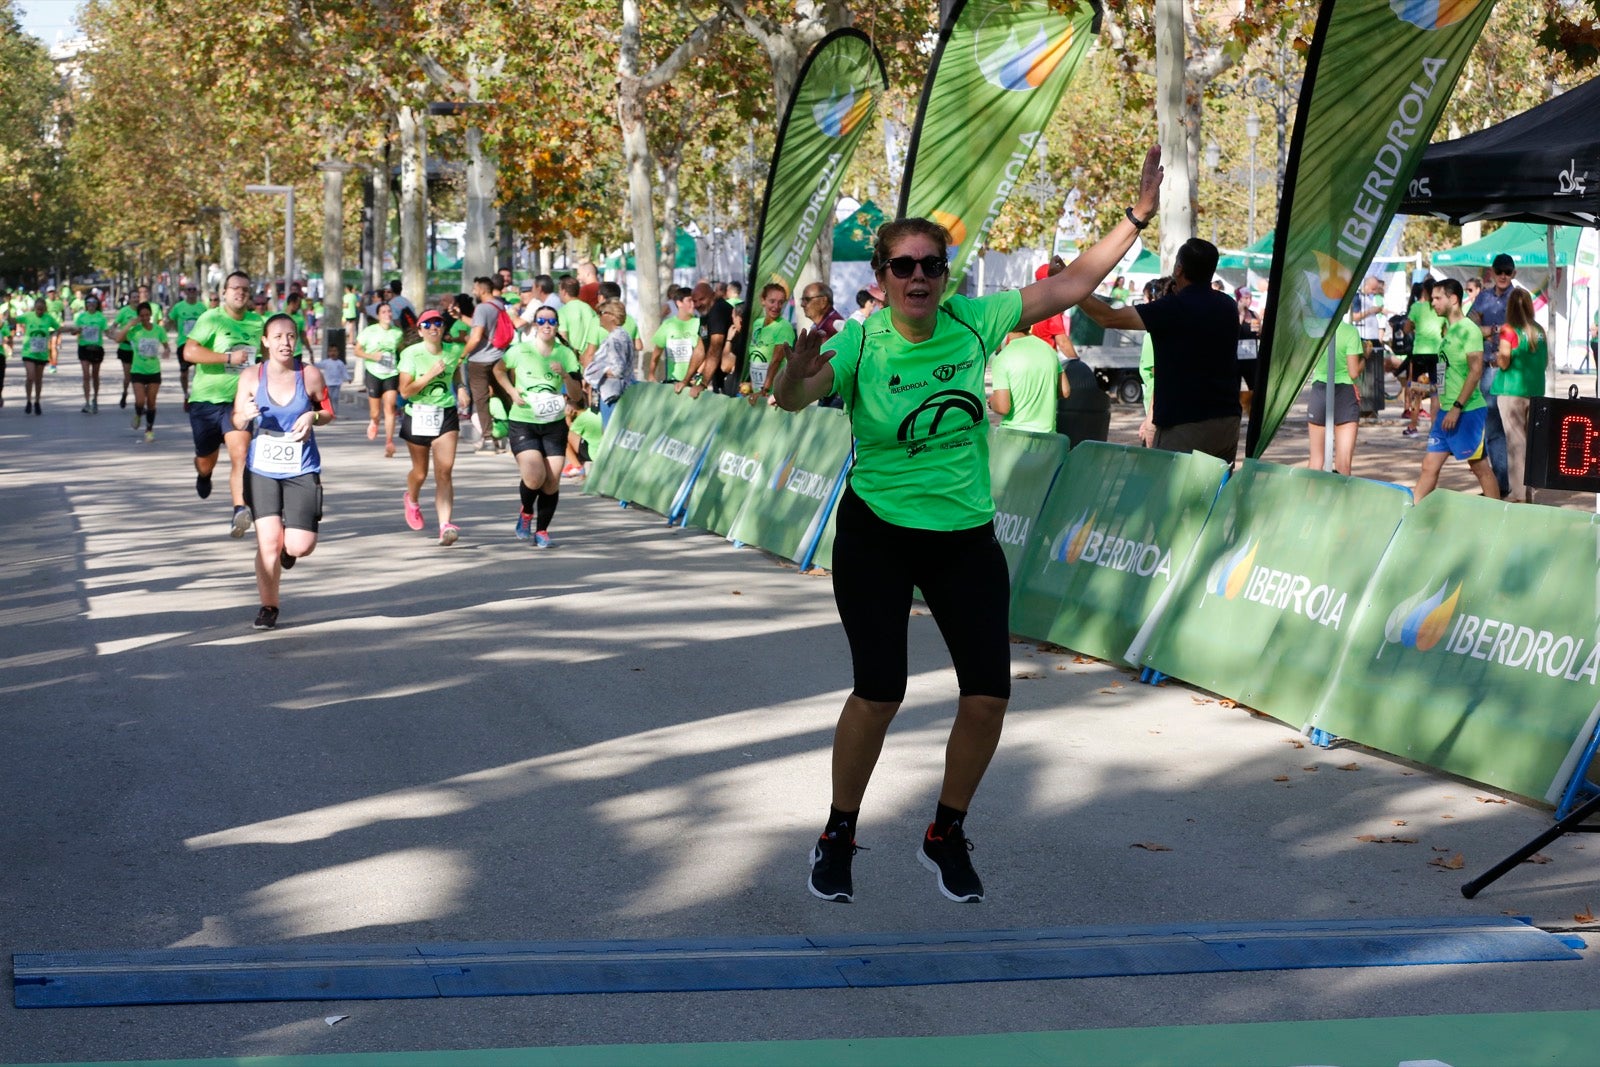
448, 533
413, 512
830, 869
149, 435
266, 618
541, 539
524, 526
952, 869
240, 523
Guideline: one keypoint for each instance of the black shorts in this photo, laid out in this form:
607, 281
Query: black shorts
125, 354
153, 379
1346, 406
376, 387
451, 424
1416, 366
297, 501
963, 578
583, 451
210, 424
549, 438
91, 354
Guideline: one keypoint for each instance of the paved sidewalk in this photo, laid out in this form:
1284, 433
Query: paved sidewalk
625, 736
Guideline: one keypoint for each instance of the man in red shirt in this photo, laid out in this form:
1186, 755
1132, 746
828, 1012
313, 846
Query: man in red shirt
589, 284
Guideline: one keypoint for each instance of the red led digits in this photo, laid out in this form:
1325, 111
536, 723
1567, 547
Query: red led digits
1575, 459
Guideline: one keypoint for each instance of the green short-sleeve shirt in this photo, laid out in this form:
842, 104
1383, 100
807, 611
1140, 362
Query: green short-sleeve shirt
1427, 327
763, 341
146, 348
38, 330
917, 411
1346, 342
91, 328
1029, 369
184, 315
216, 383
1525, 375
382, 339
417, 361
580, 325
1460, 341
349, 305
542, 377
588, 425
125, 314
678, 337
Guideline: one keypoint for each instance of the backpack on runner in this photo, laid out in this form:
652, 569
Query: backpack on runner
505, 332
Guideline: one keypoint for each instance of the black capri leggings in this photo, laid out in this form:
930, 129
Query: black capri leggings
963, 578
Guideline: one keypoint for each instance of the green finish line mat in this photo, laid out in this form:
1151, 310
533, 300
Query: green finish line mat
1541, 1039
401, 971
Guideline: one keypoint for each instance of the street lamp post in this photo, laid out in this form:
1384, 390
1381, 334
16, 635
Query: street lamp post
287, 192
1213, 158
1252, 130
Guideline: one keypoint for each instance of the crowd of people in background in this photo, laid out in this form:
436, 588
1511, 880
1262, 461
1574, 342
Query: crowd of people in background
535, 369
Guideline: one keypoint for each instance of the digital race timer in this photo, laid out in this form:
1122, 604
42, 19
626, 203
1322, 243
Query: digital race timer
1564, 443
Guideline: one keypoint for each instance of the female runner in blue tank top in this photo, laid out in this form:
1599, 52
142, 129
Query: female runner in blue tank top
279, 402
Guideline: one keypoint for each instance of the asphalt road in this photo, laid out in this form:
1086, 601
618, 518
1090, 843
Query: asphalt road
624, 736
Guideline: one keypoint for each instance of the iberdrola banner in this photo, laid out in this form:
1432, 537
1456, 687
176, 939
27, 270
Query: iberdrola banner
997, 76
833, 104
1378, 76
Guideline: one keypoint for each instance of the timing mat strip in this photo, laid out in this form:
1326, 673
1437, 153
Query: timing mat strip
480, 969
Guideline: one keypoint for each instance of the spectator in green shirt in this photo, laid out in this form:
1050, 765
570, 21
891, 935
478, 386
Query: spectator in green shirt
1521, 358
1027, 380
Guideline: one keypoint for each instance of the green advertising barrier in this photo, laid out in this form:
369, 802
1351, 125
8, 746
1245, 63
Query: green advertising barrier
624, 437
674, 441
1022, 467
1115, 531
1267, 606
747, 442
786, 511
1477, 648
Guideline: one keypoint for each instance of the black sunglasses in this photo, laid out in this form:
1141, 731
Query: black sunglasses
904, 266
545, 322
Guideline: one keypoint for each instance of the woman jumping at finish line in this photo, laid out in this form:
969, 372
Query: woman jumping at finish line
279, 403
918, 512
40, 331
431, 426
378, 345
534, 372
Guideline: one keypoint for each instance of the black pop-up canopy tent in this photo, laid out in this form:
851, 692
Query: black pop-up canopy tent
1540, 166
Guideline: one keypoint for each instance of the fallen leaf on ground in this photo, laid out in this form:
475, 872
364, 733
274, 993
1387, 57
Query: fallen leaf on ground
1447, 816
1053, 649
1108, 692
1061, 666
1202, 700
1585, 916
817, 572
916, 613
1116, 685
1228, 703
737, 593
1150, 846
1350, 767
1280, 778
1310, 766
1084, 659
1537, 857
1390, 840
1027, 675
1491, 800
636, 668
1295, 741
1454, 863
1397, 822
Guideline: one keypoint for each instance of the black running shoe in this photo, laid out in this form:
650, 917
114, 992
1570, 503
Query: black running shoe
286, 560
830, 869
266, 618
202, 485
947, 858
